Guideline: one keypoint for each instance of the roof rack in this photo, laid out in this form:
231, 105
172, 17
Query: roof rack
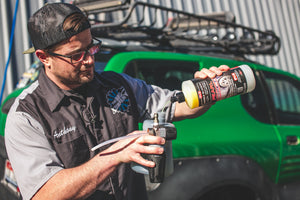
173, 29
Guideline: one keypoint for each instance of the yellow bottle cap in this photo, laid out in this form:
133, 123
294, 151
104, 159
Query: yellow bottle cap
190, 94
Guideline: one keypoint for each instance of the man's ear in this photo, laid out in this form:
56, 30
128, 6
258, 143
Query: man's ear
43, 57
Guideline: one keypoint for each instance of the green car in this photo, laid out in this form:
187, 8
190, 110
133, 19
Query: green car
245, 147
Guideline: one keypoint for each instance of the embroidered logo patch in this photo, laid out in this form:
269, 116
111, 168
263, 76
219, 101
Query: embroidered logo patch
118, 100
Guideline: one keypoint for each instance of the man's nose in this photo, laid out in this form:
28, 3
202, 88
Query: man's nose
88, 59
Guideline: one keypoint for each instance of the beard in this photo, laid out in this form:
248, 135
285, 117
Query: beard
78, 78
86, 76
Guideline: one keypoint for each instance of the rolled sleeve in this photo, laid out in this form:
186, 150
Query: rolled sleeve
151, 99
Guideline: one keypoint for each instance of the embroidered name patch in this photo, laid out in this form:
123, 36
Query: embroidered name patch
64, 131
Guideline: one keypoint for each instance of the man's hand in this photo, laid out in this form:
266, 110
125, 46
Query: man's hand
129, 150
211, 72
182, 111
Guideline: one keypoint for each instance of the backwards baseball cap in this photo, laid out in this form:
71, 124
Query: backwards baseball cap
45, 26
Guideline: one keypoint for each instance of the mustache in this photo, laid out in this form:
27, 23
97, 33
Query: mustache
89, 65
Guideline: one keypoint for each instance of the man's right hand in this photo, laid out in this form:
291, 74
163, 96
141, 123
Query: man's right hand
129, 150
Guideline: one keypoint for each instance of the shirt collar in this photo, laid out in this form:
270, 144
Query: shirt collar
54, 95
51, 92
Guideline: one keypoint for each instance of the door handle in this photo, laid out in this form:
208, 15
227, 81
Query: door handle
292, 140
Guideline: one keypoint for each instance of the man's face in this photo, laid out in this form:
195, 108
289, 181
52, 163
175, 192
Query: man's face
63, 72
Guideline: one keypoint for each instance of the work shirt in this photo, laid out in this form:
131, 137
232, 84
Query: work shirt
49, 129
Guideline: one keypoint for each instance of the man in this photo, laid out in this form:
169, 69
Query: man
54, 123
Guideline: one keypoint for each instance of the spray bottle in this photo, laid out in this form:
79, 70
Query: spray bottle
198, 92
163, 162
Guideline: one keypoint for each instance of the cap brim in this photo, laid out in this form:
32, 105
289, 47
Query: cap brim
30, 50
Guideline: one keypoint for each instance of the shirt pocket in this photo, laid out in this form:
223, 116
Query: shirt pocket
72, 147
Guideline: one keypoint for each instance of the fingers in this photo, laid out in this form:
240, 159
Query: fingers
152, 149
150, 139
137, 158
204, 73
224, 68
130, 150
211, 72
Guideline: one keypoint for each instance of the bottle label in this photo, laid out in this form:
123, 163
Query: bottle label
230, 83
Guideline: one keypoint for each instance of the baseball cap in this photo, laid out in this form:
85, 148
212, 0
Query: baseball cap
45, 26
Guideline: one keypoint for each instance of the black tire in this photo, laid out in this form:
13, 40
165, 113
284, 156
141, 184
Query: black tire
217, 178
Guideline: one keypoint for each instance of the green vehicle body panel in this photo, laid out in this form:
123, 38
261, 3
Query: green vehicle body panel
289, 167
216, 134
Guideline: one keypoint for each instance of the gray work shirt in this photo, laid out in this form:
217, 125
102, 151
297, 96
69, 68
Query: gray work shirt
33, 157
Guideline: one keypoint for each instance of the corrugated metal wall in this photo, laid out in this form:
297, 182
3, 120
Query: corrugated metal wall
281, 16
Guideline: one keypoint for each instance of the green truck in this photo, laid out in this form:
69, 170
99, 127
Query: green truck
245, 147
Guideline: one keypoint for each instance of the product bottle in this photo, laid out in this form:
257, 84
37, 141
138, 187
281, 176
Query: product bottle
198, 92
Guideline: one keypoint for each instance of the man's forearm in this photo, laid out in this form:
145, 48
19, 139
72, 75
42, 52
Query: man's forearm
182, 111
78, 182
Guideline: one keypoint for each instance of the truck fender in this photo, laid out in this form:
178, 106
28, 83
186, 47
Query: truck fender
193, 178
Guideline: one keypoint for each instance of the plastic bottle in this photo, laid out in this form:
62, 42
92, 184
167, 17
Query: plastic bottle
198, 92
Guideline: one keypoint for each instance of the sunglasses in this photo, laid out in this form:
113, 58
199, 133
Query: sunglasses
80, 56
